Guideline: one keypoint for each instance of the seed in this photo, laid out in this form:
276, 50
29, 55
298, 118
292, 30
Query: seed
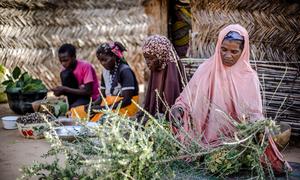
33, 118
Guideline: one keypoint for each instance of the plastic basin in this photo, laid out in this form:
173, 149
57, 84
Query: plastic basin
9, 122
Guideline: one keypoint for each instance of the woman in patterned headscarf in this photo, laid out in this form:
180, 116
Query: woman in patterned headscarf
118, 83
166, 82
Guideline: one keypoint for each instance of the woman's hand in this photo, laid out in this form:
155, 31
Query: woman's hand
97, 108
94, 109
176, 117
59, 90
86, 107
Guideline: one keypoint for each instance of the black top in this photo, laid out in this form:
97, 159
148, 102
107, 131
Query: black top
116, 82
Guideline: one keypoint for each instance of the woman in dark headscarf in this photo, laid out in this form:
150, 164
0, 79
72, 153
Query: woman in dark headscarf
118, 82
166, 79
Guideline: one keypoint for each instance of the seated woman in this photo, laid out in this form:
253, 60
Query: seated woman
118, 83
166, 75
225, 82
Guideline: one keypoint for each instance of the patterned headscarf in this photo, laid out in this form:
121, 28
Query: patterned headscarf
162, 48
111, 48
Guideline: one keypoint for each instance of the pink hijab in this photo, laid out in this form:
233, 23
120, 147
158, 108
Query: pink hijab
216, 91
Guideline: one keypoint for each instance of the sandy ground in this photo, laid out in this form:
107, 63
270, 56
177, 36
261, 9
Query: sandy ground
16, 151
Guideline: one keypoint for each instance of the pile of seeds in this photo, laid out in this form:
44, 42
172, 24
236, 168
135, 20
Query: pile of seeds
33, 118
47, 108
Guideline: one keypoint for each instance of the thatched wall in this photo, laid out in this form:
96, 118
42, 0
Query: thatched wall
32, 30
274, 27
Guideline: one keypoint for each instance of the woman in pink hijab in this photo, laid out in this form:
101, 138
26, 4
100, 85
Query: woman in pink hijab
225, 84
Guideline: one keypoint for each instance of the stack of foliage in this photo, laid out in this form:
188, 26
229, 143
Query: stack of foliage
244, 151
3, 72
123, 149
23, 83
55, 107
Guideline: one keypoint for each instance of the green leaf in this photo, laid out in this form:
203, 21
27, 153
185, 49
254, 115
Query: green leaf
20, 83
10, 78
33, 88
29, 88
5, 83
16, 72
25, 77
63, 108
10, 85
36, 81
228, 166
2, 69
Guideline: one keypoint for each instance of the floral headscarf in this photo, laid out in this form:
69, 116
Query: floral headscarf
162, 48
111, 47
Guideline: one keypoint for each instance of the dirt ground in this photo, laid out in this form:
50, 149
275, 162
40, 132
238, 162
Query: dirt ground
16, 151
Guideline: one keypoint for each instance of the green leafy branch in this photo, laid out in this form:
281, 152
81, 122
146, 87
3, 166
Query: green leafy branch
23, 82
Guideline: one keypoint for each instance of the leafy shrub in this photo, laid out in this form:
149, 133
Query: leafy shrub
123, 149
23, 82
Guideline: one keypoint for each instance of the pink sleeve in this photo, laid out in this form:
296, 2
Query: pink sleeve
88, 74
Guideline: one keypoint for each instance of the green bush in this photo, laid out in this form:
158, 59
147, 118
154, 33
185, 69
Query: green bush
23, 82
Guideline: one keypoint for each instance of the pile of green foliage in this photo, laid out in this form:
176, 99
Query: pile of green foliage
23, 82
121, 149
244, 151
124, 149
56, 107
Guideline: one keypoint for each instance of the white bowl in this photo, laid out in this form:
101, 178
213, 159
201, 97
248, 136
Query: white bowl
9, 122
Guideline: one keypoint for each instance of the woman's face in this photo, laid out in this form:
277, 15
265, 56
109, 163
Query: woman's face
108, 62
230, 52
152, 62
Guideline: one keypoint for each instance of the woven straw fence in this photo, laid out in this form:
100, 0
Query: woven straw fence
273, 27
274, 33
31, 31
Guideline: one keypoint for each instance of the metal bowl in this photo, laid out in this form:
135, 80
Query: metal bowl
68, 132
72, 132
64, 121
